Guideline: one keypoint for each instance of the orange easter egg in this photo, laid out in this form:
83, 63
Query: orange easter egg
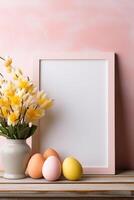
50, 152
34, 168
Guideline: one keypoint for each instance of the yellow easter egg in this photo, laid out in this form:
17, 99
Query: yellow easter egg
72, 169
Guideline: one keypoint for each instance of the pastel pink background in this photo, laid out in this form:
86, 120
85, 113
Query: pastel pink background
31, 28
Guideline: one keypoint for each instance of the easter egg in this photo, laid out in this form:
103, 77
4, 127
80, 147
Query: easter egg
72, 169
51, 169
34, 168
50, 152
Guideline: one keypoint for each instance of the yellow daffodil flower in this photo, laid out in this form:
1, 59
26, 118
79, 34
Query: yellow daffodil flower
5, 102
20, 100
47, 104
44, 102
9, 90
12, 118
1, 102
34, 114
23, 84
4, 112
41, 97
15, 100
41, 100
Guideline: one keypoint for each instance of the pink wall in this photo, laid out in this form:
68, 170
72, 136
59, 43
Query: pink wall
34, 27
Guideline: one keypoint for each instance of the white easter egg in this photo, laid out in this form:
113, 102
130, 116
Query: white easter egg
51, 169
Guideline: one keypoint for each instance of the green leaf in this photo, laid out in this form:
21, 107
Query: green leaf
32, 130
3, 122
11, 130
20, 131
4, 131
14, 136
23, 133
4, 135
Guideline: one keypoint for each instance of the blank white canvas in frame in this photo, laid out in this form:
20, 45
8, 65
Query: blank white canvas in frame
77, 125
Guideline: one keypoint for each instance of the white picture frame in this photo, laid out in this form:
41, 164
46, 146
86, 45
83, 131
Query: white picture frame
84, 82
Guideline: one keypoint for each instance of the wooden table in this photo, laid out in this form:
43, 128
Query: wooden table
94, 186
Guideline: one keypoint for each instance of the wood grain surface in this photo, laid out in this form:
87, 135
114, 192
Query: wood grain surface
120, 185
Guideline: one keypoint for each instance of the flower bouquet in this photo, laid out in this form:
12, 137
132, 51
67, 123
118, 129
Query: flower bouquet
21, 106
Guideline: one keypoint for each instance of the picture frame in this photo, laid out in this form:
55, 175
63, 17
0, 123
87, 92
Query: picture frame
108, 60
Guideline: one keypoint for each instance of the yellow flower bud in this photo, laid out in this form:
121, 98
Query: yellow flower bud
8, 62
9, 69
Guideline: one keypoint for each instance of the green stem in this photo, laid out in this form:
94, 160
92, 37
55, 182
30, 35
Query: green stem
25, 114
11, 108
19, 119
2, 58
4, 135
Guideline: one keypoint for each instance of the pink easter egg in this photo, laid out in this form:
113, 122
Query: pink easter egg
51, 169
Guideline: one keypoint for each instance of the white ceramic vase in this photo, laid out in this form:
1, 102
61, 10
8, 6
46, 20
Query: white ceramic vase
15, 156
